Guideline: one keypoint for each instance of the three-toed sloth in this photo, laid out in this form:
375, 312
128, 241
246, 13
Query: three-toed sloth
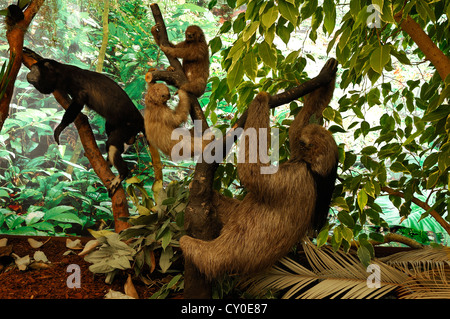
279, 209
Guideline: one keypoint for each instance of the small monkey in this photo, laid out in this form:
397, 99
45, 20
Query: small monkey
194, 53
161, 121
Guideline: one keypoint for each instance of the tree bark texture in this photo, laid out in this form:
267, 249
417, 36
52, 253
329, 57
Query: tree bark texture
15, 35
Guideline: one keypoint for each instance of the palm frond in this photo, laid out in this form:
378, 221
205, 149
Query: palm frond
421, 262
332, 275
425, 287
429, 269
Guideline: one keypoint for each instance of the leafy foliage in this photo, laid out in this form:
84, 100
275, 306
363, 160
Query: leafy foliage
389, 101
154, 234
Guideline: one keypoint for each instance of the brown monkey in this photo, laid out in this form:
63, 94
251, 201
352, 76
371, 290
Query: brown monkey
194, 52
161, 121
279, 208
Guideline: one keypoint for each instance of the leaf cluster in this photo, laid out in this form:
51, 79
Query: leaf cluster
382, 71
152, 240
112, 256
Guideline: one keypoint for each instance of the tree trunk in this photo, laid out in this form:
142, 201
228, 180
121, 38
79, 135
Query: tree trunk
15, 34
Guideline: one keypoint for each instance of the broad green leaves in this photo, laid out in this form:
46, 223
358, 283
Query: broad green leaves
379, 58
268, 54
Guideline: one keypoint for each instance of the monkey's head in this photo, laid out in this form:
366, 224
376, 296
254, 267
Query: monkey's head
315, 146
194, 34
44, 76
157, 93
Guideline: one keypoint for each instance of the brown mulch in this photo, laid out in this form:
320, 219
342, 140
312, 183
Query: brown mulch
51, 283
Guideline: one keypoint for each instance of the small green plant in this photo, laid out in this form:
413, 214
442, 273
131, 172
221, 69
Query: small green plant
154, 234
157, 229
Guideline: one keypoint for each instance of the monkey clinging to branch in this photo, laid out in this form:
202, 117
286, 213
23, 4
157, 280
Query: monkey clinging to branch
194, 52
162, 124
279, 208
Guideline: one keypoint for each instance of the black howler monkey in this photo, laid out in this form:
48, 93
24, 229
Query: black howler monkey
14, 12
99, 93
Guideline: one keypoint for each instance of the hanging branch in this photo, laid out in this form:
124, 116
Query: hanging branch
101, 168
422, 205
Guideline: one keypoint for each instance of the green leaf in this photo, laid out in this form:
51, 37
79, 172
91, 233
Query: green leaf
323, 236
380, 57
369, 188
329, 21
267, 54
362, 199
364, 255
441, 112
215, 44
369, 150
308, 9
55, 211
424, 10
33, 217
250, 30
67, 218
288, 11
347, 234
341, 203
345, 218
235, 75
398, 167
44, 226
251, 65
432, 179
431, 160
355, 8
166, 238
269, 17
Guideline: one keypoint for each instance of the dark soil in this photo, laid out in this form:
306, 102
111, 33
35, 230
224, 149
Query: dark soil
51, 283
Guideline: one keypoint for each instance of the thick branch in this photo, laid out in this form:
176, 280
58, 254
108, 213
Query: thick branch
324, 77
163, 38
15, 35
397, 238
101, 168
422, 205
440, 61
